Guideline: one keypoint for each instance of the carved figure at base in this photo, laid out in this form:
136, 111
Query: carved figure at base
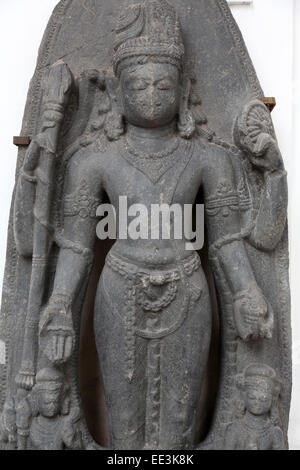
120, 121
44, 421
258, 427
8, 426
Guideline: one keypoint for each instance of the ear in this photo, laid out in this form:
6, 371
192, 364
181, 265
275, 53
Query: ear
277, 387
33, 401
114, 124
240, 382
66, 401
186, 124
274, 412
66, 405
240, 407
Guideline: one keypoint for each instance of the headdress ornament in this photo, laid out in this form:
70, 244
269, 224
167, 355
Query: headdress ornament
49, 379
256, 372
151, 28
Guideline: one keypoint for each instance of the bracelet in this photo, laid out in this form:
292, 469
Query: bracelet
23, 432
247, 292
229, 239
276, 172
50, 106
62, 299
243, 293
29, 178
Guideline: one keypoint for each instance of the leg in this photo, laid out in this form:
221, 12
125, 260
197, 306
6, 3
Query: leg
125, 399
184, 357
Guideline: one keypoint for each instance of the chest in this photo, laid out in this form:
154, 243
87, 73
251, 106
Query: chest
46, 435
256, 440
173, 179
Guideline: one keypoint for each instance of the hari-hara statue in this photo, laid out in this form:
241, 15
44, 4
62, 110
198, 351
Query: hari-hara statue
117, 116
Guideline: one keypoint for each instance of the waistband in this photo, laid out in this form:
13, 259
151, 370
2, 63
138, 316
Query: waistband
157, 276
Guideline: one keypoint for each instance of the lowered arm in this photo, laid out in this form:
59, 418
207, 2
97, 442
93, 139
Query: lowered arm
253, 314
76, 241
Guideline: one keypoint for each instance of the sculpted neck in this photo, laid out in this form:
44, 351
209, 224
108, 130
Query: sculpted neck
151, 139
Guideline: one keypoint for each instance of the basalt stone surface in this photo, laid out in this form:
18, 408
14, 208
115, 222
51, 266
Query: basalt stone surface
158, 102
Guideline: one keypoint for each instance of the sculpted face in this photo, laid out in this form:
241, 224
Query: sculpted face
49, 402
259, 399
150, 94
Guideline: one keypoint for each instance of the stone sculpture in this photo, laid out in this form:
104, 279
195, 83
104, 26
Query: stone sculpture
152, 111
257, 428
44, 418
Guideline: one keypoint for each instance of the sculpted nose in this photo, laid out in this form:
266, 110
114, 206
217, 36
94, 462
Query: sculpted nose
154, 99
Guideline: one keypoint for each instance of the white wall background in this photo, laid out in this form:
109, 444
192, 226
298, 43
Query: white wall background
273, 39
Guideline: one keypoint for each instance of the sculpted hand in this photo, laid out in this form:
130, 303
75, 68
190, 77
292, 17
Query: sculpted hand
57, 336
266, 154
254, 134
32, 157
25, 379
61, 347
46, 140
253, 315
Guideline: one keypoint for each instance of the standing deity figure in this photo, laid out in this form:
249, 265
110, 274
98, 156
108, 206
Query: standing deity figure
135, 133
258, 427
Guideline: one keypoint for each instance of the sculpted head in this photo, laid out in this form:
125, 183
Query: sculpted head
150, 94
258, 397
260, 389
148, 62
49, 391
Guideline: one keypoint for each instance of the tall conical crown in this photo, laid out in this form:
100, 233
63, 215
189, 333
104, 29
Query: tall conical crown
150, 28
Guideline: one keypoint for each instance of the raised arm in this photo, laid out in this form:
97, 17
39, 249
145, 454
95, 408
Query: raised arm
76, 242
254, 134
253, 314
271, 217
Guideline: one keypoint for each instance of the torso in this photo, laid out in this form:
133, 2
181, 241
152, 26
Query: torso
177, 182
46, 434
258, 438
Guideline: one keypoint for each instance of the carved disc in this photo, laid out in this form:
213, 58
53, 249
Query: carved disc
254, 122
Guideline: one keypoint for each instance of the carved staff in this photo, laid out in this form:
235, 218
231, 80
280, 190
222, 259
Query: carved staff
39, 167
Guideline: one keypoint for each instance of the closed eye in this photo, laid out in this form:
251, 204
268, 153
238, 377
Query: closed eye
139, 85
164, 85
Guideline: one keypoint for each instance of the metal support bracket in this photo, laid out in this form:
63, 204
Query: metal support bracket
270, 102
21, 141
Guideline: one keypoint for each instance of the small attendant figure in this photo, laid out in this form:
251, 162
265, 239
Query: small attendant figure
44, 420
257, 428
8, 431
